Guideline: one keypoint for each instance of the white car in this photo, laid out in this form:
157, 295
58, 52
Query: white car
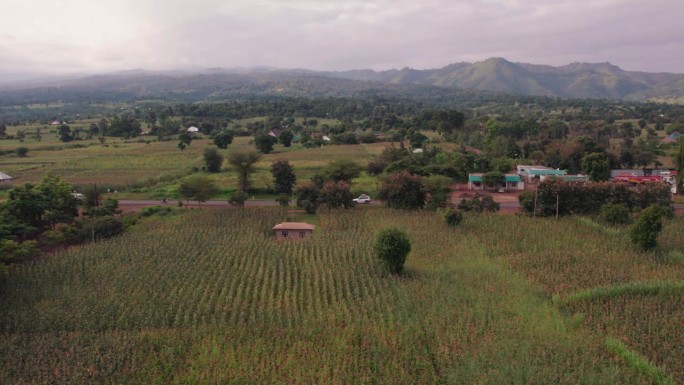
363, 198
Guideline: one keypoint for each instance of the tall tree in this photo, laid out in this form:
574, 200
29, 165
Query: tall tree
65, 133
184, 140
212, 159
223, 139
265, 142
596, 165
244, 165
286, 138
403, 191
336, 195
309, 197
342, 170
198, 187
284, 177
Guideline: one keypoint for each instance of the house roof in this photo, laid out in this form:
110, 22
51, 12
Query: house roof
294, 226
508, 177
544, 171
193, 129
4, 176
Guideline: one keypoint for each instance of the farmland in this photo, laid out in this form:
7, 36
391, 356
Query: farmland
210, 297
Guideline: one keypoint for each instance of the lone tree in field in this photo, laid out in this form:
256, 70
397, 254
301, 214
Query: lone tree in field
647, 227
342, 170
212, 159
284, 177
286, 138
223, 139
392, 246
264, 143
184, 140
244, 164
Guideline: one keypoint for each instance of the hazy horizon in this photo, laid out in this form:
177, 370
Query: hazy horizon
39, 38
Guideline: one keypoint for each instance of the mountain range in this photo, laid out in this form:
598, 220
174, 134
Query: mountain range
461, 80
576, 80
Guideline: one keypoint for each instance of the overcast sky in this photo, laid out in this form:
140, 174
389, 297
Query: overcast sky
71, 36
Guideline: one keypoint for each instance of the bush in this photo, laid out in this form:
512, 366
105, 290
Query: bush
452, 217
154, 210
63, 235
647, 226
478, 203
614, 214
12, 252
526, 199
392, 246
22, 151
283, 200
100, 228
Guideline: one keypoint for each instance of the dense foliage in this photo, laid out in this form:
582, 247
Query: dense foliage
392, 247
556, 196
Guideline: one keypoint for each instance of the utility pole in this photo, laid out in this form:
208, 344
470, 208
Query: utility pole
557, 200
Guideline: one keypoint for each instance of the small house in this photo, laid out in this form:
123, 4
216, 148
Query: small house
293, 230
4, 177
192, 129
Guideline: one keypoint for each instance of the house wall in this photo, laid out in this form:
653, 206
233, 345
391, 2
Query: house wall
293, 234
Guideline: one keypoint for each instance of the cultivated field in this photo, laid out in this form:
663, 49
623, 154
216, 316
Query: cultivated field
212, 298
146, 168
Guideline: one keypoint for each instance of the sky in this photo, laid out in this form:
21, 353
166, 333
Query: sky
98, 36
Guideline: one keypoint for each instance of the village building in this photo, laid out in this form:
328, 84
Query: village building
4, 177
511, 182
293, 230
534, 173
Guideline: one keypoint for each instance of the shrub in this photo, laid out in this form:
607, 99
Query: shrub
22, 151
526, 199
647, 226
392, 246
11, 251
614, 214
154, 210
478, 203
452, 217
100, 228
